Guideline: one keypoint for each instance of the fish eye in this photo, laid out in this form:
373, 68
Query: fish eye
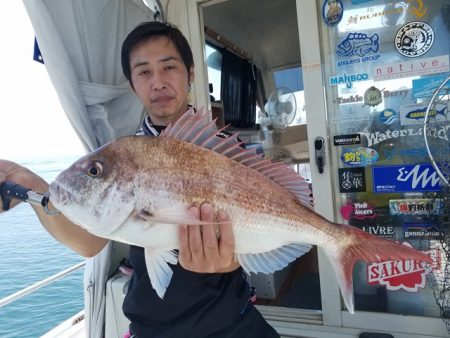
95, 169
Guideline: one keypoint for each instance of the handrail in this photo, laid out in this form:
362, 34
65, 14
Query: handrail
38, 285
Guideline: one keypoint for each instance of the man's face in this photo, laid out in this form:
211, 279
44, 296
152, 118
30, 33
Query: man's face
160, 79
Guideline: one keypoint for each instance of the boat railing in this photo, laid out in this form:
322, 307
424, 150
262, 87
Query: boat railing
21, 293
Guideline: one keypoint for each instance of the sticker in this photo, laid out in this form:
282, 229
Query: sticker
416, 8
408, 274
414, 39
347, 79
359, 157
388, 117
357, 210
405, 178
352, 180
358, 44
384, 231
372, 97
421, 230
349, 99
356, 2
376, 137
411, 67
332, 11
401, 93
375, 16
425, 87
415, 207
341, 140
415, 113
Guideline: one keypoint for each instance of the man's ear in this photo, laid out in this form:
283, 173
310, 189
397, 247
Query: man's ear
191, 75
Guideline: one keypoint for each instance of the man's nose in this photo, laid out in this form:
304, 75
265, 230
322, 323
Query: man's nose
159, 81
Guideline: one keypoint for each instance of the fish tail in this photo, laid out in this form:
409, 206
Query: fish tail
358, 245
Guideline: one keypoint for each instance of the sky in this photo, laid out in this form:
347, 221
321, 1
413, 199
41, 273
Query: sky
32, 121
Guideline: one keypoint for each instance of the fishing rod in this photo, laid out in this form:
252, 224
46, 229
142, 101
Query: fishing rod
10, 190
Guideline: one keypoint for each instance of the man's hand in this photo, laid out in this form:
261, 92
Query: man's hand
200, 248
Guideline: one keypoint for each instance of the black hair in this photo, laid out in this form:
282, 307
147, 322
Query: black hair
148, 30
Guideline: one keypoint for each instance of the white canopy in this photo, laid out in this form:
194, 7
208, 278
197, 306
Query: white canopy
80, 43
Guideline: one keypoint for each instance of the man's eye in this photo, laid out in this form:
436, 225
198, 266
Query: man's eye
143, 73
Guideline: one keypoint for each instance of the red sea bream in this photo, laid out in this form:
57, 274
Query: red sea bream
137, 189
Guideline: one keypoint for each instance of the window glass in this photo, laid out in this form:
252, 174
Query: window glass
214, 64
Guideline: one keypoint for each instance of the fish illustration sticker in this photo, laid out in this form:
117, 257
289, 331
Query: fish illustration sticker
358, 44
415, 113
359, 157
414, 39
332, 12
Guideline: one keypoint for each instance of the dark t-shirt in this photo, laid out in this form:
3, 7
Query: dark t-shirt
194, 305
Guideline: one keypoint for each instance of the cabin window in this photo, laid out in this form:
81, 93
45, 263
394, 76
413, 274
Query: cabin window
214, 64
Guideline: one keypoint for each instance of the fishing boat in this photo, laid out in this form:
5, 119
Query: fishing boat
335, 88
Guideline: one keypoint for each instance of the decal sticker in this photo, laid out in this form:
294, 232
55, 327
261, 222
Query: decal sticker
415, 207
356, 2
415, 113
332, 11
341, 140
385, 231
359, 157
414, 39
357, 210
372, 97
347, 79
421, 230
405, 178
401, 93
352, 180
358, 44
388, 117
425, 87
349, 99
378, 136
375, 16
411, 67
416, 8
408, 275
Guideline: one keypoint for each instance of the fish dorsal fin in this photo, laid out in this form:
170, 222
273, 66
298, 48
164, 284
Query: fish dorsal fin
195, 127
271, 261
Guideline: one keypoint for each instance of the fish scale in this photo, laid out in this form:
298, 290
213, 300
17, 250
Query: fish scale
150, 183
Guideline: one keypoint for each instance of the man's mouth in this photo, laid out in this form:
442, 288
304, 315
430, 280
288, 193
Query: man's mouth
161, 99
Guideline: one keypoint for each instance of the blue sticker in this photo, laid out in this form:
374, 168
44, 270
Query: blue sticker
358, 44
357, 2
347, 79
388, 116
332, 11
425, 87
405, 178
359, 157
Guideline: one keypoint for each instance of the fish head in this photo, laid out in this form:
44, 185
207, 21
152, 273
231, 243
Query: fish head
97, 191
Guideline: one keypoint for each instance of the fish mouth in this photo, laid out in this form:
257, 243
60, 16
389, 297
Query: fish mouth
58, 194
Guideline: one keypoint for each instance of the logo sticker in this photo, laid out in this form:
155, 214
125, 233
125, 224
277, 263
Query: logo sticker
342, 140
407, 68
421, 230
415, 113
357, 210
347, 79
415, 207
352, 180
358, 44
414, 39
385, 231
405, 178
409, 274
359, 157
425, 87
349, 99
372, 97
388, 117
332, 12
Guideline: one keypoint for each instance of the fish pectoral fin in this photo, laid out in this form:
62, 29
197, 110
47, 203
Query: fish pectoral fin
171, 216
271, 261
158, 270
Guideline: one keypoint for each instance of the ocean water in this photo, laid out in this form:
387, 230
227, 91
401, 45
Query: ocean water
29, 254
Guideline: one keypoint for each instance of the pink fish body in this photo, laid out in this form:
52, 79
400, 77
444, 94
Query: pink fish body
137, 190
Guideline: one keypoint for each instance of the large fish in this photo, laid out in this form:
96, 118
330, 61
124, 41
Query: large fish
137, 189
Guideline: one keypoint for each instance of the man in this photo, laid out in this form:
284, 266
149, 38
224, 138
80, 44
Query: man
208, 295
